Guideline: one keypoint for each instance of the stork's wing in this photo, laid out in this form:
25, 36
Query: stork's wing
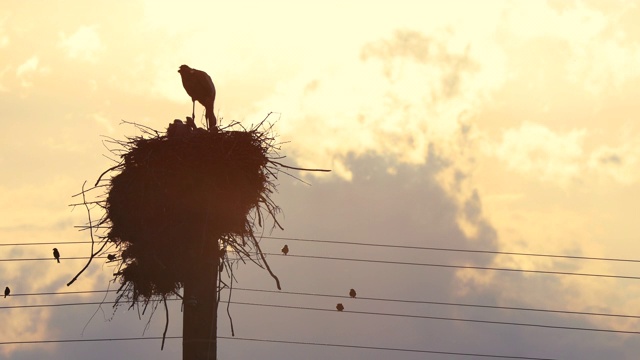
205, 82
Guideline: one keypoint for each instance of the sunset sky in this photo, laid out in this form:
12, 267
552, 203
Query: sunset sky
500, 126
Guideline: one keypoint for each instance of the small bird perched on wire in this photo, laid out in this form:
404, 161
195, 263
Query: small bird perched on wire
56, 254
111, 257
352, 293
285, 249
199, 86
7, 291
340, 307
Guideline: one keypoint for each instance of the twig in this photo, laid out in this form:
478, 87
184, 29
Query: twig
99, 308
266, 264
233, 333
166, 324
84, 199
154, 307
297, 168
87, 203
87, 190
178, 295
145, 129
295, 177
114, 160
106, 171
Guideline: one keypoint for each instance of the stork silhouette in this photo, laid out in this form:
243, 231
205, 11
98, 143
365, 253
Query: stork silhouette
199, 86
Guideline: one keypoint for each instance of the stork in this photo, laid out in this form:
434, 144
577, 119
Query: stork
199, 86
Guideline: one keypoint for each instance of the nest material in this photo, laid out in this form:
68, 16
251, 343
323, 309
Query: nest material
180, 198
176, 191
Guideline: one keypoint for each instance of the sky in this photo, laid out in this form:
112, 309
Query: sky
499, 126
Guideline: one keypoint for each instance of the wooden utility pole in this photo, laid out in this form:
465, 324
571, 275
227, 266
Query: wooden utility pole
200, 318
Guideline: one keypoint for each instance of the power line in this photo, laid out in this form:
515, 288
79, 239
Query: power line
62, 293
559, 327
363, 347
424, 302
61, 304
385, 348
548, 272
430, 248
426, 248
28, 342
45, 243
52, 259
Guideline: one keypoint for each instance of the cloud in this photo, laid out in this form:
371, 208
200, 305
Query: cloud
536, 151
622, 162
104, 122
421, 49
28, 66
405, 95
601, 38
24, 70
540, 153
4, 38
4, 71
84, 44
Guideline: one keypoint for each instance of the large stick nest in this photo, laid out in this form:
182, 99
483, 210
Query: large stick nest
174, 191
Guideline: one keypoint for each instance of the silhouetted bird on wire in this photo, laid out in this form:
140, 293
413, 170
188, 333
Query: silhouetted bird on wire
111, 257
352, 293
285, 249
340, 307
7, 291
199, 86
56, 255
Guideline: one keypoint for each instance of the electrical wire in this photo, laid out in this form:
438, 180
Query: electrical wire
362, 347
409, 247
379, 299
397, 300
559, 327
445, 303
423, 302
52, 259
431, 248
45, 243
387, 348
62, 293
547, 272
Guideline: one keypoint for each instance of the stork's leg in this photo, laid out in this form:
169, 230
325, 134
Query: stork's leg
193, 111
